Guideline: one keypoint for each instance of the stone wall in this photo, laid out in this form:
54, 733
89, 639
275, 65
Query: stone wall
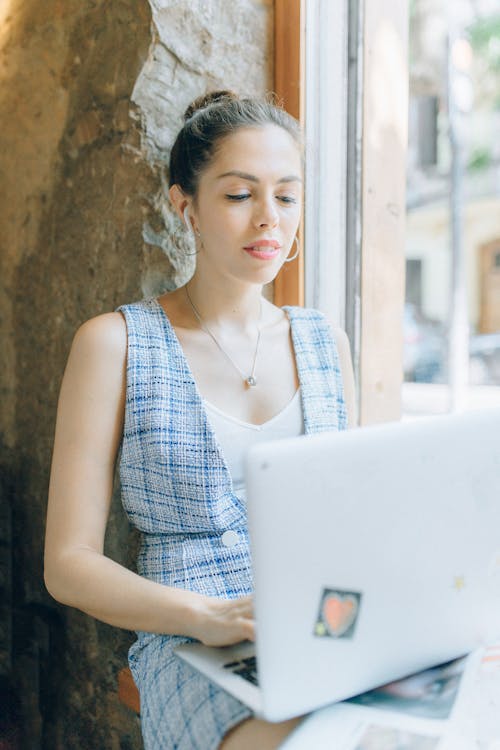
91, 96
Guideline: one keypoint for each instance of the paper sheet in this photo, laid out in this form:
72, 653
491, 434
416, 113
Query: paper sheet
455, 706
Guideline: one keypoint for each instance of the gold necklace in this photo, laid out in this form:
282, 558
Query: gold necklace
250, 380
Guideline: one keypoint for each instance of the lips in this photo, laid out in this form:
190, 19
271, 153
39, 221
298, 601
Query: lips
263, 249
262, 254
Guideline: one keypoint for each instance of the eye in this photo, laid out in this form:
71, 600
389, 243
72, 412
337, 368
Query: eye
238, 197
286, 199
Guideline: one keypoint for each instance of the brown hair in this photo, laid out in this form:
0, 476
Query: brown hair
208, 120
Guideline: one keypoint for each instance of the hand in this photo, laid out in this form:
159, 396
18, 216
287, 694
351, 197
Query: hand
222, 622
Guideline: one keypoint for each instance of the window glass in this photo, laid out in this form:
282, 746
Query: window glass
452, 308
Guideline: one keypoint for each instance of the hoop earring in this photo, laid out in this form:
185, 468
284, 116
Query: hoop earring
296, 240
189, 228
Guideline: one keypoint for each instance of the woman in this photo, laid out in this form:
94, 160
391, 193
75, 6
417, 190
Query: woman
183, 385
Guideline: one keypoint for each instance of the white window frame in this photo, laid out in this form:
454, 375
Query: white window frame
355, 185
326, 43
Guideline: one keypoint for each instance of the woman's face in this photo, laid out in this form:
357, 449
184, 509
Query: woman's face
249, 203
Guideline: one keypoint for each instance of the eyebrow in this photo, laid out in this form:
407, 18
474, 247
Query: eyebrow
252, 178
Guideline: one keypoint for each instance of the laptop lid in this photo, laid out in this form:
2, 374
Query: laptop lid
376, 553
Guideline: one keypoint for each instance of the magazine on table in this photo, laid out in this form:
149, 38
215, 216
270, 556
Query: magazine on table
453, 706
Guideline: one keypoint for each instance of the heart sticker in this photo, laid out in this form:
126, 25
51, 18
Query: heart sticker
338, 613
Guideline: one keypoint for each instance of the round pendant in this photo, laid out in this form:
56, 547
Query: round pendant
251, 380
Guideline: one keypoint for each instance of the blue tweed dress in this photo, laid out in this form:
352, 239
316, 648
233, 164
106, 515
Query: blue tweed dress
177, 490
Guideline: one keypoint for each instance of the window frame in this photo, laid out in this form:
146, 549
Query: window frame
352, 265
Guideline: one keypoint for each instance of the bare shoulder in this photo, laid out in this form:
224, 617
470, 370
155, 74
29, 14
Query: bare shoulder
343, 349
98, 356
105, 335
342, 340
345, 359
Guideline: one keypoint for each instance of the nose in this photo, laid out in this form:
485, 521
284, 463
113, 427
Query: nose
266, 214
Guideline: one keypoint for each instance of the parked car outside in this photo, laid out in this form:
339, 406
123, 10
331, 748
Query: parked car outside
426, 350
484, 362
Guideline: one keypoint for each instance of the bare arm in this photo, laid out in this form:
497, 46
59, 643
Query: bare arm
88, 432
345, 358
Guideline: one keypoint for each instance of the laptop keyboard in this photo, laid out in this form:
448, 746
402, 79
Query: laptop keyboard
246, 668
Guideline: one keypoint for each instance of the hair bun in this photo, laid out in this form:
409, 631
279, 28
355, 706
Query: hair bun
205, 100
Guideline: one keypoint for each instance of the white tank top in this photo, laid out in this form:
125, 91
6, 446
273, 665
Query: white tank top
235, 436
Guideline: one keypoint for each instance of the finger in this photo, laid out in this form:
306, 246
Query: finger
240, 606
247, 624
244, 600
251, 630
246, 605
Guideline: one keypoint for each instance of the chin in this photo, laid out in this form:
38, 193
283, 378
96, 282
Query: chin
262, 276
260, 273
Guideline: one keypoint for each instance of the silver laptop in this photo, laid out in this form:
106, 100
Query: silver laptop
376, 554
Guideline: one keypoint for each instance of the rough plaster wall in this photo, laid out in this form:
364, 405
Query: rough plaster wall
197, 46
71, 217
85, 227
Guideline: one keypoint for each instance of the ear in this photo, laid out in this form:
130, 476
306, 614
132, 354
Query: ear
179, 200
